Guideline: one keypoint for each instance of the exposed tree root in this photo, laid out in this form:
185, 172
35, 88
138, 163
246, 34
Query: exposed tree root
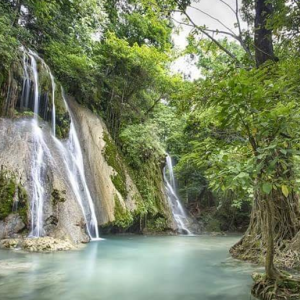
284, 288
252, 249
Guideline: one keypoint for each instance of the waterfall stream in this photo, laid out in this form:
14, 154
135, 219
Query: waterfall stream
70, 151
73, 159
178, 211
38, 159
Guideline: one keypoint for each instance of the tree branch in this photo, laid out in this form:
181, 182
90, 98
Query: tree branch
212, 17
211, 37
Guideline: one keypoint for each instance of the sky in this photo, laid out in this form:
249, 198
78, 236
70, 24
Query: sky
215, 8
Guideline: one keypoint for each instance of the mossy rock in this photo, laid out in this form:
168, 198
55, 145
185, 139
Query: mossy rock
58, 196
213, 225
10, 191
159, 224
123, 217
63, 119
113, 159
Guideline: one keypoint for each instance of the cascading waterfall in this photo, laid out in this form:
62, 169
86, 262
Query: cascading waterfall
73, 159
70, 151
40, 148
179, 214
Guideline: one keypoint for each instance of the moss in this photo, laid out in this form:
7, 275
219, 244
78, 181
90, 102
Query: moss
44, 78
9, 190
58, 197
113, 159
148, 180
123, 217
63, 120
150, 201
157, 225
22, 208
7, 193
213, 225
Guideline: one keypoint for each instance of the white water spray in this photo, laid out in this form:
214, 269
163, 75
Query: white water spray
179, 214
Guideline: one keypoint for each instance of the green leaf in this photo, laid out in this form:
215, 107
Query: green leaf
283, 151
267, 187
285, 190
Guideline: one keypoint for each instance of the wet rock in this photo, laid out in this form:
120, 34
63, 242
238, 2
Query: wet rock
62, 213
43, 244
12, 224
92, 133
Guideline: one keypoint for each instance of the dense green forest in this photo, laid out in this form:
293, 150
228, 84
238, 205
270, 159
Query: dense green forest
234, 132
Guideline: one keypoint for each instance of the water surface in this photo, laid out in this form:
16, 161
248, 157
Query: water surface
129, 268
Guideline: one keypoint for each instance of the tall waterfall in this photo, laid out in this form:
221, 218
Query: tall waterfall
178, 211
73, 159
38, 160
70, 151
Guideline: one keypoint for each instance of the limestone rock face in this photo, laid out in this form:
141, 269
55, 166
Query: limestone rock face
63, 217
92, 133
12, 225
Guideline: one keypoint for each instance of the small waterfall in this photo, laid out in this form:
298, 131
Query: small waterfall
179, 214
73, 159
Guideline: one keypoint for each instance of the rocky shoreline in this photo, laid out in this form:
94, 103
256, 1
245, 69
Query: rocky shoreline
42, 244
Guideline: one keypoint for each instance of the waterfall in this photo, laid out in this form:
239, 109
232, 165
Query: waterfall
70, 151
39, 149
178, 211
73, 159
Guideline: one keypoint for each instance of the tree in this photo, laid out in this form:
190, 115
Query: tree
237, 120
263, 40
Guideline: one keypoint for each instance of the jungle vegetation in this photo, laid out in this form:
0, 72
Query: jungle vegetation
234, 132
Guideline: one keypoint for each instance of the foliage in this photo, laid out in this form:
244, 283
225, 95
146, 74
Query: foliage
140, 143
157, 225
246, 128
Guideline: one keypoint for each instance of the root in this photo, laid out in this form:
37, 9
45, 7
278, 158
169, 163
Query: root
283, 288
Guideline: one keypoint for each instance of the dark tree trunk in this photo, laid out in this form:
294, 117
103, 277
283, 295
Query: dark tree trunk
263, 42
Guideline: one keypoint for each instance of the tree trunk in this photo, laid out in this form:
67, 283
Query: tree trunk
263, 35
272, 225
271, 271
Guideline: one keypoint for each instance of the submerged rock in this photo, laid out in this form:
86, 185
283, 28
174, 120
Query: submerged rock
43, 244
